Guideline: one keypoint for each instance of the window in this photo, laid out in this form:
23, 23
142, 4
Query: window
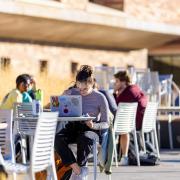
5, 63
104, 64
43, 66
74, 67
116, 4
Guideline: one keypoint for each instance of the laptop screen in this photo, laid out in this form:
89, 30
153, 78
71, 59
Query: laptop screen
67, 105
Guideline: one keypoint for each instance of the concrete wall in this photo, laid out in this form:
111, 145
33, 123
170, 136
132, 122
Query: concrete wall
25, 59
151, 10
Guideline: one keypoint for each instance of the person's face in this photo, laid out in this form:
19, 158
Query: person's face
84, 88
119, 85
23, 87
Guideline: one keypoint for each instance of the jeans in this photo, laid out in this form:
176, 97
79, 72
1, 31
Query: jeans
82, 135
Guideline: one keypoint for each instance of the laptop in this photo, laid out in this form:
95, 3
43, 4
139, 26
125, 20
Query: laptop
67, 105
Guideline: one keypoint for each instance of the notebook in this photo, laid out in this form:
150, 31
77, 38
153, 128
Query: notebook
67, 105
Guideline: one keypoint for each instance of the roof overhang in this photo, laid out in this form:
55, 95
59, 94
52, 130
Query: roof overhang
171, 48
88, 28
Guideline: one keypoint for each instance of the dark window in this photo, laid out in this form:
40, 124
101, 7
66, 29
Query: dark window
43, 66
104, 64
116, 4
5, 63
74, 67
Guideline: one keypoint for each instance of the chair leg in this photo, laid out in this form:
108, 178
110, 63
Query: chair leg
152, 138
14, 176
95, 158
143, 141
115, 150
49, 174
147, 136
24, 150
54, 174
109, 177
31, 176
136, 147
156, 143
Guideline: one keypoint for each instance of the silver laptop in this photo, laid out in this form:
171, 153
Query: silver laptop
67, 105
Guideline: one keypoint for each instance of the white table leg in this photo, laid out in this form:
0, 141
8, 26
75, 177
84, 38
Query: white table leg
170, 130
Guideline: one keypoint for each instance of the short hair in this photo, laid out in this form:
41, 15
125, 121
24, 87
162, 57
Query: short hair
123, 76
85, 74
21, 78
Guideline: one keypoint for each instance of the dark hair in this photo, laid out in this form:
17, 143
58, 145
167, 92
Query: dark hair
85, 74
123, 76
29, 76
21, 78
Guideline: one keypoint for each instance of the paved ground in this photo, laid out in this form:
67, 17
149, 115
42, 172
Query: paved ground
169, 169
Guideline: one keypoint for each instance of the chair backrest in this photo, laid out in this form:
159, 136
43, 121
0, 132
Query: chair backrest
6, 139
22, 110
43, 147
149, 119
125, 119
24, 126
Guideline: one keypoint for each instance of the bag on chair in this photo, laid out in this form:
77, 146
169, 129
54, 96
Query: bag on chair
63, 172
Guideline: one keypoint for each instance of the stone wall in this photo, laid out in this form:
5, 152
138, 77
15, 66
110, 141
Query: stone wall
151, 10
25, 58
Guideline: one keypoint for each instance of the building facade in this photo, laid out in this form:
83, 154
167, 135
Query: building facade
51, 39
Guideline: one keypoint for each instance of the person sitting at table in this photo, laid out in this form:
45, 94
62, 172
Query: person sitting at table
124, 91
93, 103
16, 95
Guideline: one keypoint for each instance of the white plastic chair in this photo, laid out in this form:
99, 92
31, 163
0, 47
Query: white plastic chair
6, 138
125, 122
24, 127
149, 125
22, 110
43, 149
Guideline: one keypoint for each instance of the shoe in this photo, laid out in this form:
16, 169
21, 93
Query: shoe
82, 176
73, 176
101, 168
124, 161
107, 172
84, 173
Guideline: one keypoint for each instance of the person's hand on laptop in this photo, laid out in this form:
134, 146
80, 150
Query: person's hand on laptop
89, 123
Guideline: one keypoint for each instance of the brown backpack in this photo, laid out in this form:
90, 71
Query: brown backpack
63, 172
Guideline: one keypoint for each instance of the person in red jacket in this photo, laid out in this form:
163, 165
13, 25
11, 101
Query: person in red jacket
124, 91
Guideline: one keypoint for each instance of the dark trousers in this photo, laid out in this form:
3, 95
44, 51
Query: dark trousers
79, 133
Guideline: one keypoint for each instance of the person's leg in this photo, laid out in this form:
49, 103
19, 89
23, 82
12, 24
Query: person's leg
63, 138
84, 146
103, 140
110, 152
124, 145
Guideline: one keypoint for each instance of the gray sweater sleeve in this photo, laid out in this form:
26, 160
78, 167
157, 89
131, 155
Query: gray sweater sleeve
104, 114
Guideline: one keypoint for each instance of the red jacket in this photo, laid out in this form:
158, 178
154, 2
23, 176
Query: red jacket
132, 93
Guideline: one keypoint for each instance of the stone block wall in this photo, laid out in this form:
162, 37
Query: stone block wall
25, 58
164, 11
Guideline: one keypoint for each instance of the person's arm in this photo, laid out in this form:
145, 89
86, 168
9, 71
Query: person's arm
104, 119
111, 101
138, 96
